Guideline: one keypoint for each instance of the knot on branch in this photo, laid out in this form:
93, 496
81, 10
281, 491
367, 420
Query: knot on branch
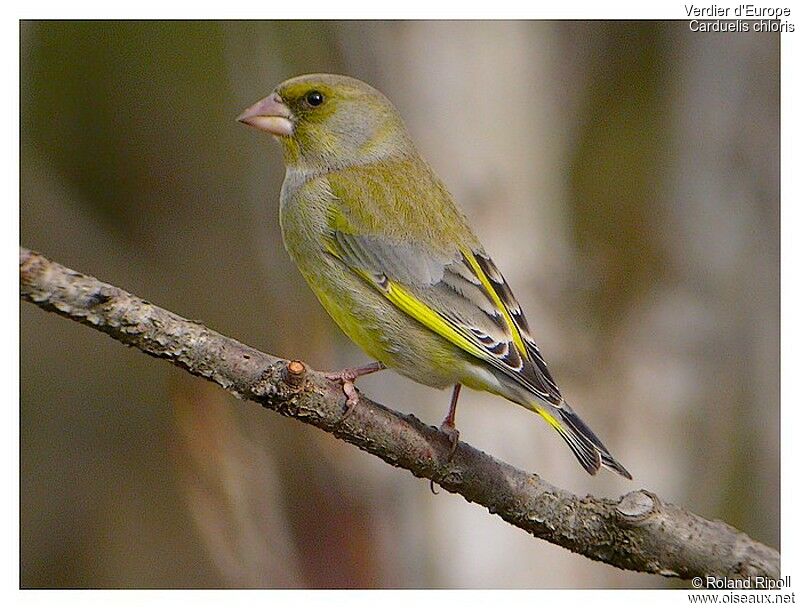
279, 384
294, 373
637, 506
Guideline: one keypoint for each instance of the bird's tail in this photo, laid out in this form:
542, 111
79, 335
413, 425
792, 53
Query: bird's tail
588, 448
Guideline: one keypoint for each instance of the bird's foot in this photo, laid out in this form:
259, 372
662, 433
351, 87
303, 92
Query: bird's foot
347, 379
452, 434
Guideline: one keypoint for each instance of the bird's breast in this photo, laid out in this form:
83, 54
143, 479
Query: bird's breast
305, 207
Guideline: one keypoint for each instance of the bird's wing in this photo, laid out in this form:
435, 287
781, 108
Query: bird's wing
461, 296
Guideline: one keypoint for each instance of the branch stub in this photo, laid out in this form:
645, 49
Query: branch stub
637, 506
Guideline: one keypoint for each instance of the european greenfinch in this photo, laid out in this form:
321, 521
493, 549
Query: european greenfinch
390, 256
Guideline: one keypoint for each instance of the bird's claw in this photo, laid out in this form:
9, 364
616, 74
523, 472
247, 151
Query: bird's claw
347, 379
351, 393
452, 435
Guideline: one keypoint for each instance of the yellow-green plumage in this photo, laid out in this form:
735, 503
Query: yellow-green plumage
352, 201
393, 260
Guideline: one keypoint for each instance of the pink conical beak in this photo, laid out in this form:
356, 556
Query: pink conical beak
269, 114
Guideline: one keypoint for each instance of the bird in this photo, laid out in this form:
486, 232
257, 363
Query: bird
392, 259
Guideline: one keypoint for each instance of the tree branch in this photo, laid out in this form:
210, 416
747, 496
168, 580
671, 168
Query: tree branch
638, 532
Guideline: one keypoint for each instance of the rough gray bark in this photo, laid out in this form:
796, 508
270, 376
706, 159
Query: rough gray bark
637, 532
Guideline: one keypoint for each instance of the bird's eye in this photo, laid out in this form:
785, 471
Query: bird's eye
314, 98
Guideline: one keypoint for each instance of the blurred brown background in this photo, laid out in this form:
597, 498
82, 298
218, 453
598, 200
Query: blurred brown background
623, 175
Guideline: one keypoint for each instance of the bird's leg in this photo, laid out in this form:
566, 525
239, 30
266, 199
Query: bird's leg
448, 426
347, 378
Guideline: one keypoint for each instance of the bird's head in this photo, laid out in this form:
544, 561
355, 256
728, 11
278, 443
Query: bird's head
325, 121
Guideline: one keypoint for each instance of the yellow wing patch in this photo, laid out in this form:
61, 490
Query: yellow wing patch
412, 306
549, 418
496, 300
